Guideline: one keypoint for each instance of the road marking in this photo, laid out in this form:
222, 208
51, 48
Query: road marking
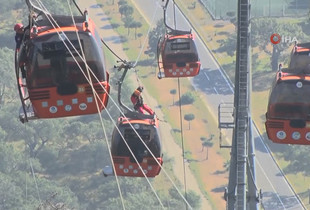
283, 175
206, 75
274, 190
215, 91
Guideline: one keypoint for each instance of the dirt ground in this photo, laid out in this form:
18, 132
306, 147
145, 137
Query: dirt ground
210, 171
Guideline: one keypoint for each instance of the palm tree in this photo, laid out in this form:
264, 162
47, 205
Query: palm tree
207, 144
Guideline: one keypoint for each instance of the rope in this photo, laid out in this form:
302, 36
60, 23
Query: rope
26, 193
174, 16
119, 110
143, 46
182, 140
35, 181
146, 37
107, 112
90, 83
33, 175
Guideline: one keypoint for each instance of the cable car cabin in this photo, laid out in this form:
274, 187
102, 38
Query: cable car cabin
178, 56
57, 78
288, 113
300, 56
124, 162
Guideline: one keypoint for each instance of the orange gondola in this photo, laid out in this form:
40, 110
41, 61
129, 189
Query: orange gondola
300, 56
144, 129
56, 82
178, 56
288, 113
135, 141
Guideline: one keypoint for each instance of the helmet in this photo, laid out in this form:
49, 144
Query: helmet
18, 26
140, 88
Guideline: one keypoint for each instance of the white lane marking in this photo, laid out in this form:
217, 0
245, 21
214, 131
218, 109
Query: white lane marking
268, 151
206, 75
274, 190
215, 90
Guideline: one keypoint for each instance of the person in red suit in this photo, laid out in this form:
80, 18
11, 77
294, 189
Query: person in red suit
137, 101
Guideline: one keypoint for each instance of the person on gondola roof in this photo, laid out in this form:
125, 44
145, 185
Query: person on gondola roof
137, 101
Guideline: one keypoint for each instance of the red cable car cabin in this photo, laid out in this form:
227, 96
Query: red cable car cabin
300, 56
288, 114
54, 81
124, 163
178, 56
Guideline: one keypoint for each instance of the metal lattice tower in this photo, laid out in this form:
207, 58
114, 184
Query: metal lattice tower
242, 193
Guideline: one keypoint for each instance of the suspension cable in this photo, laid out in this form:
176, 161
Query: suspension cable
113, 121
35, 181
117, 107
174, 16
143, 46
146, 37
26, 180
88, 77
32, 172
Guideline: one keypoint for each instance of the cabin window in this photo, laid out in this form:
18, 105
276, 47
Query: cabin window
53, 65
287, 100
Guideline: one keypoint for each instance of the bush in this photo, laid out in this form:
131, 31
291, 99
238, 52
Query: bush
187, 98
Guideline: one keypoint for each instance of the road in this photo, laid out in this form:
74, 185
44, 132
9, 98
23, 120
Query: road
277, 193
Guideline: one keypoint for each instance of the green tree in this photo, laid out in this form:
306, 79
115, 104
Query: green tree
121, 3
208, 143
135, 25
7, 82
127, 23
202, 139
173, 92
263, 28
187, 98
155, 35
189, 118
193, 199
125, 10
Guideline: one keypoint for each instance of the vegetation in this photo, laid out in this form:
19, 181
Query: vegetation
65, 156
215, 34
189, 118
56, 163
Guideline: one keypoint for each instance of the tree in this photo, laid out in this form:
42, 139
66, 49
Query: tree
189, 118
125, 10
202, 139
173, 92
135, 25
121, 2
127, 23
263, 28
155, 35
207, 143
187, 98
193, 199
7, 83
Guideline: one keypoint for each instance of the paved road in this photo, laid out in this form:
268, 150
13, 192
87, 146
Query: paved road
277, 193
